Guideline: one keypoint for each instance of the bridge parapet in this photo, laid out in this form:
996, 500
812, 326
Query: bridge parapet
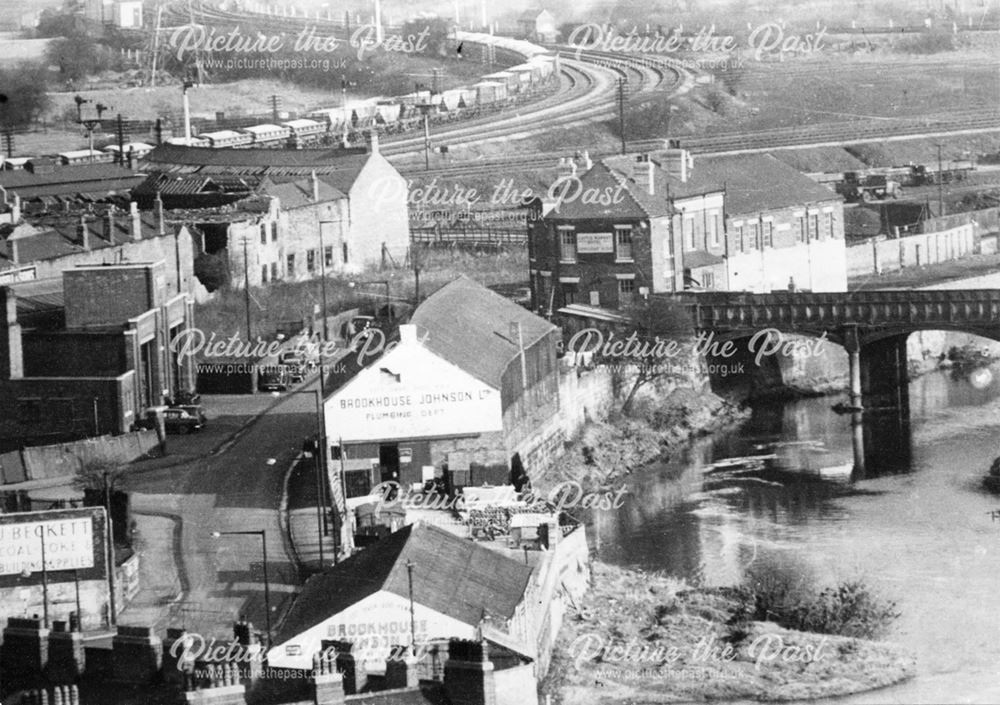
973, 309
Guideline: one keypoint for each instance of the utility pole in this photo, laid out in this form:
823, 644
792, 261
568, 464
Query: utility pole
413, 620
621, 109
8, 140
112, 609
121, 141
415, 260
246, 285
427, 140
940, 181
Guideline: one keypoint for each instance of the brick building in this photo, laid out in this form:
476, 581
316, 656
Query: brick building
43, 247
662, 222
288, 202
89, 357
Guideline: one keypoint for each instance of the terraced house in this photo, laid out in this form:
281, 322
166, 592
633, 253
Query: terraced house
673, 223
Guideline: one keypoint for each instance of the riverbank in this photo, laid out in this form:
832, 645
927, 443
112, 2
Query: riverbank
644, 638
607, 451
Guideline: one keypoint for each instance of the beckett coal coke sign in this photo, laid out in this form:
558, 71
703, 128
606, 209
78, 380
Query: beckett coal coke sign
68, 544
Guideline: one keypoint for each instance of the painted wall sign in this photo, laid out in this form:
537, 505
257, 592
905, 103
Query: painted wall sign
594, 243
424, 396
69, 544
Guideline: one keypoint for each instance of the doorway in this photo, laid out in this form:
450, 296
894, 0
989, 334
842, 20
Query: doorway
388, 460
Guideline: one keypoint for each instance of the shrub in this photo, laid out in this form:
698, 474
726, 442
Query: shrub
212, 270
778, 585
849, 609
778, 588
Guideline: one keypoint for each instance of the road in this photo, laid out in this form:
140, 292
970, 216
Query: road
239, 489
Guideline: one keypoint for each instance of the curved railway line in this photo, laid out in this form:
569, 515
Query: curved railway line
588, 93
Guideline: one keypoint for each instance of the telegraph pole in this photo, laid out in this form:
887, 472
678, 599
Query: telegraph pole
121, 141
246, 285
940, 181
413, 620
621, 109
427, 141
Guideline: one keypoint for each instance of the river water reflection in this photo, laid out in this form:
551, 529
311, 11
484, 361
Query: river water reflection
916, 524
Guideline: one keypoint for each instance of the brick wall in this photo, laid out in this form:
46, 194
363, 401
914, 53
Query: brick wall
109, 296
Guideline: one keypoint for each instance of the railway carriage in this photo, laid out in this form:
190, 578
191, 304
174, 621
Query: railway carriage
136, 149
268, 135
508, 78
85, 156
490, 92
227, 138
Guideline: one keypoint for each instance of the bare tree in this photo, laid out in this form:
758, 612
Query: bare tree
658, 325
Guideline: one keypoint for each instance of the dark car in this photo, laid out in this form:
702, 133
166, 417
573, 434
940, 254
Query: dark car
296, 364
183, 419
274, 378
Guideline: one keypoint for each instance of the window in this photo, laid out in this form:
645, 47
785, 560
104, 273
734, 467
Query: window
740, 244
626, 291
623, 243
274, 232
343, 248
310, 261
569, 294
713, 229
829, 223
263, 274
687, 229
567, 241
328, 256
263, 233
290, 266
752, 235
800, 230
767, 229
274, 271
813, 226
708, 280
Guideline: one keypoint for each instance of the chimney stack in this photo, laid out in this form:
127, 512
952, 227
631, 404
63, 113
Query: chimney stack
161, 223
133, 210
643, 173
469, 677
82, 234
315, 187
678, 163
15, 215
12, 248
109, 225
588, 164
374, 141
11, 353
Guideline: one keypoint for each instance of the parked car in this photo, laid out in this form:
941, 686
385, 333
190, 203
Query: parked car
183, 419
295, 363
358, 324
273, 378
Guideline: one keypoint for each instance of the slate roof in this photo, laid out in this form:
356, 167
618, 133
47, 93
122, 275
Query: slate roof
56, 237
340, 168
451, 575
469, 325
298, 193
752, 183
70, 180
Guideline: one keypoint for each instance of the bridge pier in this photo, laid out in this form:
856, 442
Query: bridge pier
884, 374
853, 346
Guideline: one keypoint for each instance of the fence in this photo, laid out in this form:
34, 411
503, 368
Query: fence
495, 237
880, 255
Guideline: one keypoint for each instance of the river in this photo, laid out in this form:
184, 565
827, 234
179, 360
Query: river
916, 525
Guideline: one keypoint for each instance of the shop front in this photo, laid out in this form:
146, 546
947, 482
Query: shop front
401, 418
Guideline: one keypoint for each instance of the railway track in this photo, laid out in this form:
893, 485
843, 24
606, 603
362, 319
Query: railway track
734, 143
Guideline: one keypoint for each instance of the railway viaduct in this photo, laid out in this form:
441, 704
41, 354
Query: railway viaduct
872, 326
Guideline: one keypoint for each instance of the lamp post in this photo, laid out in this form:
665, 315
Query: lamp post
267, 585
